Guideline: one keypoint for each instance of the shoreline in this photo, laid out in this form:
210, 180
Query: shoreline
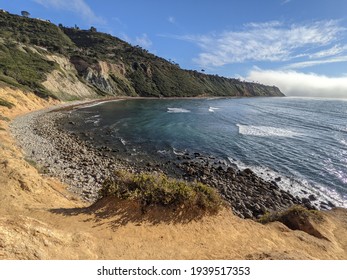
61, 154
41, 219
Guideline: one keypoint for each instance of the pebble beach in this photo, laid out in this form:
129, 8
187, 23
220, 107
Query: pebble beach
64, 155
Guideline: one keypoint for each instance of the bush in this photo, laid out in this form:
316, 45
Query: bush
6, 104
157, 189
6, 119
299, 218
26, 68
283, 216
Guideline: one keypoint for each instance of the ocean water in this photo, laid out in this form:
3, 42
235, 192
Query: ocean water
301, 140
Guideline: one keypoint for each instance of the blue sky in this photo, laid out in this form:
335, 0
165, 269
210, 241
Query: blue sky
298, 45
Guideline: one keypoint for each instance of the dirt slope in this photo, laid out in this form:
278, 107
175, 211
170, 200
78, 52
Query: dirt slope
39, 219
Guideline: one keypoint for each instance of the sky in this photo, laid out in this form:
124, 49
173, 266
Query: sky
298, 45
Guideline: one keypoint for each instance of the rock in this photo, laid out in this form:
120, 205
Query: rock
278, 179
247, 171
330, 204
247, 214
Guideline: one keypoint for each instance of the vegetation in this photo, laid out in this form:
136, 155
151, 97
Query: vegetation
298, 218
41, 169
152, 189
5, 104
25, 14
130, 70
296, 210
154, 76
2, 118
23, 67
35, 32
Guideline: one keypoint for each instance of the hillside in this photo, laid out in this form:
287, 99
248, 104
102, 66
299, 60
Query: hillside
68, 63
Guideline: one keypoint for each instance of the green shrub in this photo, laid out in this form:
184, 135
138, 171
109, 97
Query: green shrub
296, 210
157, 189
41, 169
6, 104
6, 119
26, 68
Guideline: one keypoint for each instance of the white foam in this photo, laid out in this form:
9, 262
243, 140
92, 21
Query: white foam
93, 119
266, 131
212, 109
177, 110
123, 141
343, 142
295, 185
178, 153
97, 103
95, 122
163, 152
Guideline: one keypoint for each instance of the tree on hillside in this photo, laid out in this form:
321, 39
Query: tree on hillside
25, 14
92, 29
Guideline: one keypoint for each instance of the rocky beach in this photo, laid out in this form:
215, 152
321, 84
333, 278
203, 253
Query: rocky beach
42, 219
83, 167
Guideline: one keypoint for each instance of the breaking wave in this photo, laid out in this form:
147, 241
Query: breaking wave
266, 131
177, 110
212, 109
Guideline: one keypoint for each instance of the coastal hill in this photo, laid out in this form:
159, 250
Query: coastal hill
41, 65
69, 63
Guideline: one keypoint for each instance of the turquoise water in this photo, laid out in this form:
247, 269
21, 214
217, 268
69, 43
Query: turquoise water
302, 140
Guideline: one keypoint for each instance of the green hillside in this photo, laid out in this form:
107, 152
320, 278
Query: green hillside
32, 51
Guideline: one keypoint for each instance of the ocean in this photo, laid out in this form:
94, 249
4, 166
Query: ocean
302, 141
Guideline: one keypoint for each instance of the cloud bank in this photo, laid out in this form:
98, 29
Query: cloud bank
293, 83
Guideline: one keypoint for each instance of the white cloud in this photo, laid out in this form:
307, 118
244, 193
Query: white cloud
125, 37
269, 41
293, 83
171, 19
143, 41
285, 2
304, 64
335, 50
119, 22
268, 24
78, 7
